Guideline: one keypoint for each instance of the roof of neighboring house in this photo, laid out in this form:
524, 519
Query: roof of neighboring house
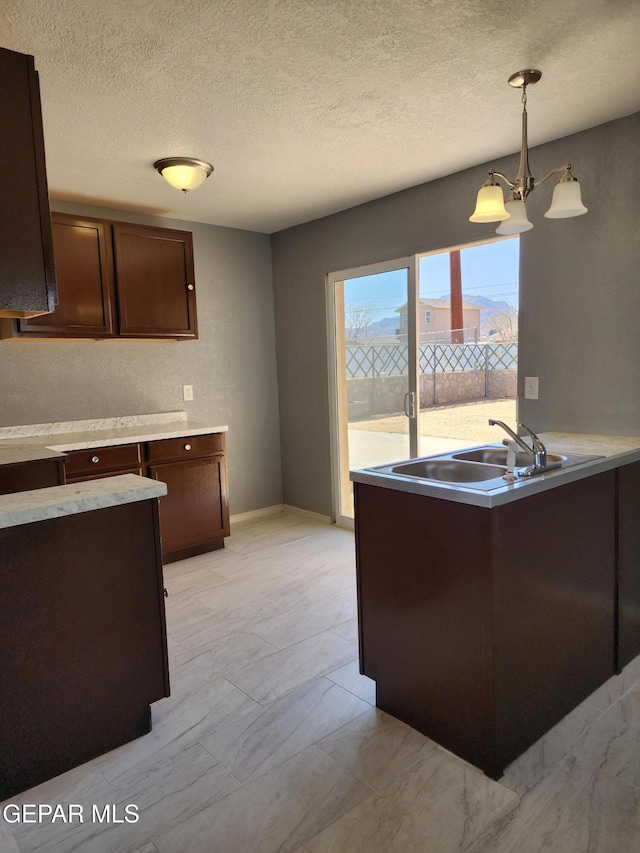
440, 303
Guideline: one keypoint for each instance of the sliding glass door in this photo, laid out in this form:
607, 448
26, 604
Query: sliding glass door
433, 334
373, 371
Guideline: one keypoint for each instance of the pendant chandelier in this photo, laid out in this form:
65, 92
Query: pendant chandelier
512, 214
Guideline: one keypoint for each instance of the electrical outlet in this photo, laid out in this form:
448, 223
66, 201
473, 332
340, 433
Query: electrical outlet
187, 392
531, 386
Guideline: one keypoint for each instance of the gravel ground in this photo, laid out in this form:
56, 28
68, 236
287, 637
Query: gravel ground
465, 421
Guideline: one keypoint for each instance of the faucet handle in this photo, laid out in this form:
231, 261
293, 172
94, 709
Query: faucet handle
537, 444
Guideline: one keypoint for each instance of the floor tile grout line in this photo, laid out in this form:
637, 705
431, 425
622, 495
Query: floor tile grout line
503, 819
309, 637
258, 774
328, 677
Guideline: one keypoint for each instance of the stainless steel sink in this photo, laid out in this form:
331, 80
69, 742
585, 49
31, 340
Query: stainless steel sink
498, 456
447, 470
480, 468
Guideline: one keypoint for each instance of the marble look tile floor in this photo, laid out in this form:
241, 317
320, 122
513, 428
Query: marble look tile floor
271, 742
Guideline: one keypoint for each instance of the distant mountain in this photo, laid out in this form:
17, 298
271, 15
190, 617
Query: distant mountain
496, 315
485, 303
385, 326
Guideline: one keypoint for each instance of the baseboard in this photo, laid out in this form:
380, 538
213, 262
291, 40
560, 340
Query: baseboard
316, 516
256, 513
265, 511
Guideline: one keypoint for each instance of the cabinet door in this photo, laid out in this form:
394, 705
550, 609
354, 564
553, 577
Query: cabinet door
155, 282
27, 276
194, 511
85, 281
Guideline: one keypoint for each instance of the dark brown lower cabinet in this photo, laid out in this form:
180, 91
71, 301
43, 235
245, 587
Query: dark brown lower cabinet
484, 627
35, 474
194, 516
83, 648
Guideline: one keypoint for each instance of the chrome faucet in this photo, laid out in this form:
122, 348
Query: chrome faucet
537, 452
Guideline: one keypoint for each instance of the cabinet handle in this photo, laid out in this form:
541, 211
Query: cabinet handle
189, 287
187, 447
95, 459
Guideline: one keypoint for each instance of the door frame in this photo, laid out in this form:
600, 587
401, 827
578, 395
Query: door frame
335, 362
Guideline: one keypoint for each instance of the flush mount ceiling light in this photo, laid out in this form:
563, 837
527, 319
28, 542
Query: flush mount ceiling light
184, 173
512, 215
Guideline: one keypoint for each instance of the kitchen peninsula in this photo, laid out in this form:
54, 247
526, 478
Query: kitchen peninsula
486, 616
83, 649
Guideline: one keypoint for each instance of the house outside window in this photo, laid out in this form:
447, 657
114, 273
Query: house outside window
427, 316
405, 319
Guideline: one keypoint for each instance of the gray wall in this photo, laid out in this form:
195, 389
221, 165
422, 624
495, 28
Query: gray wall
232, 365
580, 292
579, 308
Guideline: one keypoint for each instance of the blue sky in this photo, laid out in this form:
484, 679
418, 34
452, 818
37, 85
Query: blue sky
489, 270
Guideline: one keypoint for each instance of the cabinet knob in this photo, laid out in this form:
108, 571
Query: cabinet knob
189, 287
95, 459
187, 447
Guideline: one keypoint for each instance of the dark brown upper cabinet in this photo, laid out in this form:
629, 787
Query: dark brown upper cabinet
155, 281
27, 274
86, 306
118, 280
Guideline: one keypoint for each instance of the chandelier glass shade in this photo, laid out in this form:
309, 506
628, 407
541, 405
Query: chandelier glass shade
518, 220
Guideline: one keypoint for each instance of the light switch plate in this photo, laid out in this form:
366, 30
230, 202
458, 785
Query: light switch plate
531, 386
187, 392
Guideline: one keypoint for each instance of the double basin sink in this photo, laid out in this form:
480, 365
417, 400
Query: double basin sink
481, 468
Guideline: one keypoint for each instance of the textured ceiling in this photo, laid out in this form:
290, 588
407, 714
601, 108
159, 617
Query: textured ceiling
306, 107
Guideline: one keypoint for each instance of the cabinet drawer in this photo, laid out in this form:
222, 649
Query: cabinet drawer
184, 448
97, 459
24, 476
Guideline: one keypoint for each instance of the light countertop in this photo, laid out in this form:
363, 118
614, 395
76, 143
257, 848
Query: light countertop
613, 450
598, 445
57, 501
44, 441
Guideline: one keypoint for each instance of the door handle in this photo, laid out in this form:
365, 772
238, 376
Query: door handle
410, 404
